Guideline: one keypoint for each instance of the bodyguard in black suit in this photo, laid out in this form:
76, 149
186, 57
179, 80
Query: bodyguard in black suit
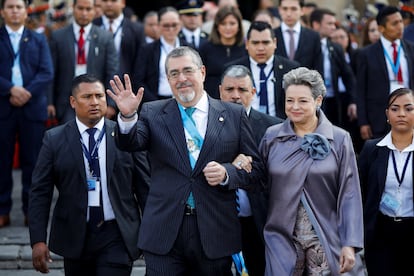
261, 46
338, 106
128, 36
306, 43
237, 87
376, 78
190, 224
96, 218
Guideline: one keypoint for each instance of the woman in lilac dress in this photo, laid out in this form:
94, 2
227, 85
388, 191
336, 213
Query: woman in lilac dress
314, 224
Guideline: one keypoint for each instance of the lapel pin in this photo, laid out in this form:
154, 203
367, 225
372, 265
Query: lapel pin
25, 39
280, 66
221, 119
112, 134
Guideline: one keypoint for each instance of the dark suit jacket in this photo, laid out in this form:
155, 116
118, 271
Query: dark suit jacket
203, 39
37, 71
61, 165
373, 165
149, 72
373, 85
281, 66
308, 53
160, 131
131, 41
102, 62
259, 123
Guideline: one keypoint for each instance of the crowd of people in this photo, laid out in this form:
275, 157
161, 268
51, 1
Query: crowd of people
279, 144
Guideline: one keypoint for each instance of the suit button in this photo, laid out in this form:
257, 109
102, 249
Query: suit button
192, 180
182, 201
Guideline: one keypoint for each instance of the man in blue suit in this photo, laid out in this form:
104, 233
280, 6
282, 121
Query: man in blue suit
190, 224
25, 72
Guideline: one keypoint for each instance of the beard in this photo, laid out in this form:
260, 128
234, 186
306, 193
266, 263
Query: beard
186, 97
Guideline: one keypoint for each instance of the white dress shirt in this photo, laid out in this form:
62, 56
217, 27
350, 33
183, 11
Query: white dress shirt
107, 207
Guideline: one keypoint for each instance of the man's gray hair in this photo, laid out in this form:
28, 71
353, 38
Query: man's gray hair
305, 76
184, 51
238, 72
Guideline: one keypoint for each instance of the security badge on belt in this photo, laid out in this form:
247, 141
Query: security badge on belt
94, 187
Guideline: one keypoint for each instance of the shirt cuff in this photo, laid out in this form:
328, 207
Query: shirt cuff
226, 181
125, 127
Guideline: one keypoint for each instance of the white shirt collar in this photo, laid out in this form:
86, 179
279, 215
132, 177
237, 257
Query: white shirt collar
82, 127
285, 27
76, 29
387, 142
189, 33
268, 62
202, 103
19, 31
115, 23
167, 46
387, 44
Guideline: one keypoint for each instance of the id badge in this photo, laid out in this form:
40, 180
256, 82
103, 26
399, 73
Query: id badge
394, 85
93, 191
390, 203
263, 108
80, 69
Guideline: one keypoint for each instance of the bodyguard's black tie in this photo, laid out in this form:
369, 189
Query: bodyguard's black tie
263, 88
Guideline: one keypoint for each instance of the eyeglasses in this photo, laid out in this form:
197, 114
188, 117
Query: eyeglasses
170, 26
187, 72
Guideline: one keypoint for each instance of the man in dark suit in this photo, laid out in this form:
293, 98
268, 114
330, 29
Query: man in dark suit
190, 224
295, 41
338, 105
237, 87
151, 75
77, 49
261, 46
379, 73
25, 72
191, 16
101, 192
128, 36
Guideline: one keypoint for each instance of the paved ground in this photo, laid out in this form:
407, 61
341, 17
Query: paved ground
15, 250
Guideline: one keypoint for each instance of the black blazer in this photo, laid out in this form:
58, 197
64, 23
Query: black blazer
148, 73
281, 66
61, 164
373, 85
373, 165
203, 39
160, 131
131, 41
308, 53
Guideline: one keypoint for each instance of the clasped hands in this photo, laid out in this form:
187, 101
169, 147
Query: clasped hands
19, 96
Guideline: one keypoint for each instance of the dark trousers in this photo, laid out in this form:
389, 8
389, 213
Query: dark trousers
187, 257
105, 254
252, 247
29, 134
387, 255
